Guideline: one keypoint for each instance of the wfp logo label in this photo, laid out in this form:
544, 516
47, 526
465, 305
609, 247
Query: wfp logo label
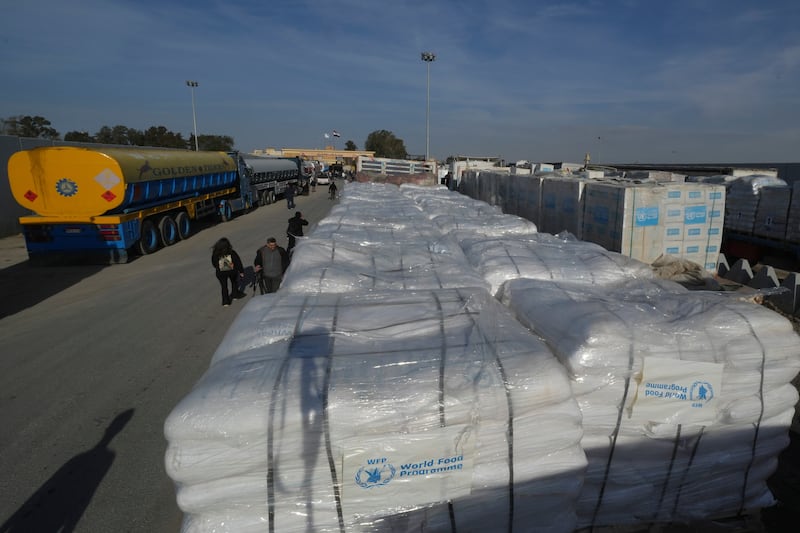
376, 473
701, 392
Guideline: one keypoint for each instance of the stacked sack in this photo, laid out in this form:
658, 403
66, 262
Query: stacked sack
549, 257
347, 402
378, 411
686, 396
377, 240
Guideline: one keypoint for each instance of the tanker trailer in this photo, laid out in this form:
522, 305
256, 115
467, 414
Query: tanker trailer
271, 175
99, 204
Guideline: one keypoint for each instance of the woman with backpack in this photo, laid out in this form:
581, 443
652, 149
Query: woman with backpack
228, 267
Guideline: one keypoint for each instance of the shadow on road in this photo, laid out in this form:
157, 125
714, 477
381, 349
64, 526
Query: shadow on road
24, 285
59, 503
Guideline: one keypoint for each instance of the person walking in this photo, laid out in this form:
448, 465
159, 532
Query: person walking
228, 268
295, 229
270, 263
289, 193
332, 189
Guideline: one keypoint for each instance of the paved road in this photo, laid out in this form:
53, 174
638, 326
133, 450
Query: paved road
93, 359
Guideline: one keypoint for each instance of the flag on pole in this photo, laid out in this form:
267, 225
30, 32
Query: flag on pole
327, 136
336, 133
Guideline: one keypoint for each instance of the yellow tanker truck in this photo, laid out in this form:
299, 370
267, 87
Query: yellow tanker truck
103, 203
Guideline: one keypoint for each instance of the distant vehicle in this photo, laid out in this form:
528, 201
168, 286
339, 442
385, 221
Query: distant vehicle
271, 175
324, 178
336, 170
99, 204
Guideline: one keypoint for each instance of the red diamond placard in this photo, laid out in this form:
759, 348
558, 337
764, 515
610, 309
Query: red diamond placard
31, 196
108, 195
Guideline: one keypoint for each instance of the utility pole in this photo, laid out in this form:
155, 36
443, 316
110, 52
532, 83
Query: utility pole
428, 58
192, 84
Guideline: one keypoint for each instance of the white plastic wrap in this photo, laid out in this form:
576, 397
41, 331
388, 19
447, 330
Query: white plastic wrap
549, 257
379, 238
384, 345
486, 225
698, 437
303, 381
339, 265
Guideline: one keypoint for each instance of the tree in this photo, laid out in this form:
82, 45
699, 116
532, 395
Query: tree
119, 134
78, 137
351, 146
162, 137
28, 126
385, 144
221, 143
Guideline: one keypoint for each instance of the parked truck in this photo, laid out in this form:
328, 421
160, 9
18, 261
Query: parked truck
101, 204
270, 176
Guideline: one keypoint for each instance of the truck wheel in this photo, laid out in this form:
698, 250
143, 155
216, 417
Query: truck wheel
184, 225
168, 230
227, 212
271, 197
149, 239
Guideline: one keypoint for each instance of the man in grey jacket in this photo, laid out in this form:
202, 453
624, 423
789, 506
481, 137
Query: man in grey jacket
270, 264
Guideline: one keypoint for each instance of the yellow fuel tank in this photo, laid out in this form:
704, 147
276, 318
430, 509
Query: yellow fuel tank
65, 181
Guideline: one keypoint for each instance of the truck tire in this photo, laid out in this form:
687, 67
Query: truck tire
149, 239
227, 212
168, 230
271, 197
184, 225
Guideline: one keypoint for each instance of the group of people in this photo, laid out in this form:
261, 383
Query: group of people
269, 265
271, 259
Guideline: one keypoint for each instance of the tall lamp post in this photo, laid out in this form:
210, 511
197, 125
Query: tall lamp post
192, 84
428, 58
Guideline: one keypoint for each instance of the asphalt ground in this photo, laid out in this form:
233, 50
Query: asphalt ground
94, 358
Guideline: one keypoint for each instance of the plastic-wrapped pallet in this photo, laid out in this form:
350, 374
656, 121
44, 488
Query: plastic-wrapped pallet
460, 227
373, 229
742, 201
338, 262
449, 202
686, 395
793, 221
549, 257
379, 411
772, 212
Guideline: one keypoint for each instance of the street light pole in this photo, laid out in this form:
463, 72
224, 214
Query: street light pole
192, 85
428, 58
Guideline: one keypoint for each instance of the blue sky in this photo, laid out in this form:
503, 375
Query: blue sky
684, 81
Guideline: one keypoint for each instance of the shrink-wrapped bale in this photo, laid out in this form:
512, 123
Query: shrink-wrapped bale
337, 263
793, 220
549, 257
382, 237
742, 201
378, 411
686, 395
483, 225
773, 212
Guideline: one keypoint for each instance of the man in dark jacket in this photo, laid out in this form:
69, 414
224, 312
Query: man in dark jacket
289, 194
270, 263
295, 229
